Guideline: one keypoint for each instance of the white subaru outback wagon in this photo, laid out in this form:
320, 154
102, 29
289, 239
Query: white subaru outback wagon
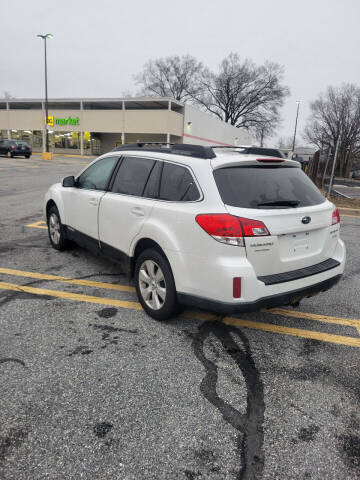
215, 228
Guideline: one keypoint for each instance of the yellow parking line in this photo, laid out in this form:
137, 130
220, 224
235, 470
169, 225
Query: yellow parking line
313, 316
295, 332
40, 224
71, 296
190, 314
56, 278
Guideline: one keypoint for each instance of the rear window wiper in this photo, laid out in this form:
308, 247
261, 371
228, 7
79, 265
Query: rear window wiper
280, 203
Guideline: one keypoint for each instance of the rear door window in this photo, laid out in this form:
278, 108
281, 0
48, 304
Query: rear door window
266, 187
177, 184
153, 183
132, 176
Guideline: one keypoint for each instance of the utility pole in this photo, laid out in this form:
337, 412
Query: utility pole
333, 166
326, 167
296, 122
45, 37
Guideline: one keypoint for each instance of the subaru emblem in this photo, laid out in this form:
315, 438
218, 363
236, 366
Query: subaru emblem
306, 220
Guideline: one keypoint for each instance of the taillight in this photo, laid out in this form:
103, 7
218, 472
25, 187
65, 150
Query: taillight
253, 228
226, 228
335, 217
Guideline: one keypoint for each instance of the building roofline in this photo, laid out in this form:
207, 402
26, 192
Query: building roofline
96, 99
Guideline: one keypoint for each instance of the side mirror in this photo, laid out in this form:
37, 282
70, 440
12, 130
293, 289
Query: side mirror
69, 181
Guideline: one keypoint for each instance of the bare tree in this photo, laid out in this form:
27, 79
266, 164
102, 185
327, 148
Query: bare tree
242, 93
6, 95
175, 77
285, 143
265, 129
334, 114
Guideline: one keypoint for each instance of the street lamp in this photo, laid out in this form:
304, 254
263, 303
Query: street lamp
45, 37
296, 121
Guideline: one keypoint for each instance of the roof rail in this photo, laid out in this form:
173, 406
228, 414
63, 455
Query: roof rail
189, 150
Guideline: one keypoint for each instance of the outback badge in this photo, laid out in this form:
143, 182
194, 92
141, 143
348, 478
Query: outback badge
306, 220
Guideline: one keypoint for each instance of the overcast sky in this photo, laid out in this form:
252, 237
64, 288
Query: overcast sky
99, 45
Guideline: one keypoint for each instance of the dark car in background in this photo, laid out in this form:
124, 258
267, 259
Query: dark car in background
12, 148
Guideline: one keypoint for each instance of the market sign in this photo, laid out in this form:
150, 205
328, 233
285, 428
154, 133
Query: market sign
51, 121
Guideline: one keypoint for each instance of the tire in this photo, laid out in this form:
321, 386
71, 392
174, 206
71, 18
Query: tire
56, 230
158, 297
27, 156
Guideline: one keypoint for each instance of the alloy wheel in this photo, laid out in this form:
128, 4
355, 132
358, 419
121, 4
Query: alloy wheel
152, 284
54, 228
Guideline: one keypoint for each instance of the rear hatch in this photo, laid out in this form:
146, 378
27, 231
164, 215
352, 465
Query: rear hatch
296, 215
22, 147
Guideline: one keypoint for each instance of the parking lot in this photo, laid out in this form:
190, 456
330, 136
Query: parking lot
93, 388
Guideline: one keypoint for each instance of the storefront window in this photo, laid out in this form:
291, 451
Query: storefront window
51, 138
57, 140
95, 146
15, 134
37, 139
68, 140
73, 140
26, 135
87, 140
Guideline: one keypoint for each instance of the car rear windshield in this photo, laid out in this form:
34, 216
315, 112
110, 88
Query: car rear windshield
266, 187
18, 143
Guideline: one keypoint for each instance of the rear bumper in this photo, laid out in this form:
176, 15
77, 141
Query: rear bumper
22, 152
271, 301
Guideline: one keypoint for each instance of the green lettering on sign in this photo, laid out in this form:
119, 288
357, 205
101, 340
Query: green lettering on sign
67, 121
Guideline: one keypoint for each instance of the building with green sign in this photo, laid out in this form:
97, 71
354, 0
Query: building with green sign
94, 126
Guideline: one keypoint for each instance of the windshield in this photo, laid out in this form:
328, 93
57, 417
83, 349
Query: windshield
266, 187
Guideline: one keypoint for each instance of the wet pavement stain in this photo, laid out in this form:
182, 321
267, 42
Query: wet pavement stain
190, 475
307, 434
81, 349
16, 360
250, 424
350, 448
107, 312
102, 429
11, 441
110, 334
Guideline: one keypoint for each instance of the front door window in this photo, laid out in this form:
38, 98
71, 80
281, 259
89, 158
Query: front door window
97, 175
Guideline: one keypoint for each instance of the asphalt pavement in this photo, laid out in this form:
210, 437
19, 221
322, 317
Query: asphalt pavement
352, 191
92, 388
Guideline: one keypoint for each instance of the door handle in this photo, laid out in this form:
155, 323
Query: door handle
137, 211
93, 202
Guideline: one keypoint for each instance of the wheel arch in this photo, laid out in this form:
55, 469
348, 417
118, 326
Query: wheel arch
50, 203
142, 245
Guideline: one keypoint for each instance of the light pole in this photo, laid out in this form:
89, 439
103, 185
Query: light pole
296, 121
45, 37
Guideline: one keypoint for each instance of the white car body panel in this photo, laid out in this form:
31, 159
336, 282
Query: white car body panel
203, 267
121, 218
81, 208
